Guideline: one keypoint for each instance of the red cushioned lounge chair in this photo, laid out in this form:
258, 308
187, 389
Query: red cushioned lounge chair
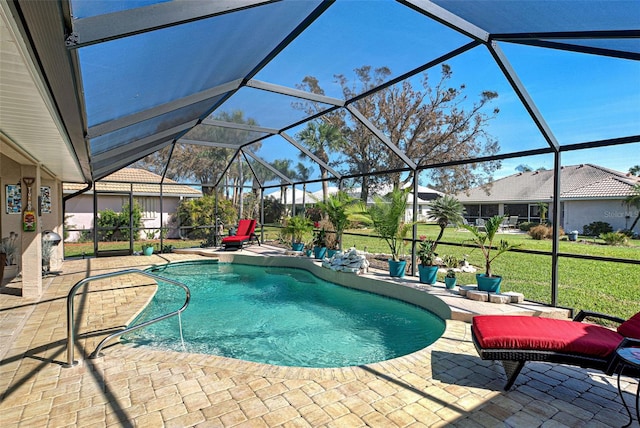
514, 340
244, 233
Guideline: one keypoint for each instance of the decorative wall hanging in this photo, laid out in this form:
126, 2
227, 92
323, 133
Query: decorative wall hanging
29, 217
13, 201
45, 199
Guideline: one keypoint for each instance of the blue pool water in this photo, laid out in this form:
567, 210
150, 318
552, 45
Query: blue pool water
282, 316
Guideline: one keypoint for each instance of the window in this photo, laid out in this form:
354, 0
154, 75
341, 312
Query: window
473, 211
534, 212
149, 207
489, 210
521, 210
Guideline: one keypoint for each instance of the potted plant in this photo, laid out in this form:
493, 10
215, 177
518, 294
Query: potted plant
450, 279
147, 249
308, 249
296, 227
484, 240
427, 270
9, 248
386, 215
320, 243
337, 208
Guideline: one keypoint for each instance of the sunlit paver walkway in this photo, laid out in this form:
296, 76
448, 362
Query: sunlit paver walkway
445, 384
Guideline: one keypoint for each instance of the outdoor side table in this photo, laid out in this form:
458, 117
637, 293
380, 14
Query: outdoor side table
629, 357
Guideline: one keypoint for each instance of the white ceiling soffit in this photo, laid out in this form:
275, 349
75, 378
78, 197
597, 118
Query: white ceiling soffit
28, 118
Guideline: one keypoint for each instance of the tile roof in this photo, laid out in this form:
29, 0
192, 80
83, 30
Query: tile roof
585, 181
142, 184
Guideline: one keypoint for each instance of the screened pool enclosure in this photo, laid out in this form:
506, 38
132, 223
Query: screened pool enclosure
251, 97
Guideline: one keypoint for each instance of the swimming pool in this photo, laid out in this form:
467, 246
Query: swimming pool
282, 316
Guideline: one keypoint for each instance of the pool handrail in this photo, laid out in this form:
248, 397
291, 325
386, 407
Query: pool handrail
71, 329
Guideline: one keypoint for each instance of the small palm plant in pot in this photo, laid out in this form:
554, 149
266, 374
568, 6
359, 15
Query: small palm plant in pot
427, 269
338, 208
297, 227
387, 215
320, 243
484, 240
445, 210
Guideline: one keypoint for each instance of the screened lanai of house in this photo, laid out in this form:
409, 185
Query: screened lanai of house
135, 80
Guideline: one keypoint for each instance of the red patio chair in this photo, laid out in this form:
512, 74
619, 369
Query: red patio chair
244, 233
513, 340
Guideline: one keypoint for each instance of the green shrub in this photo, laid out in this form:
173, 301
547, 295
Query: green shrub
614, 238
526, 225
114, 226
201, 212
273, 210
596, 228
86, 236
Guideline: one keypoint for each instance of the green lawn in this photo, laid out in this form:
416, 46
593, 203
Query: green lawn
602, 286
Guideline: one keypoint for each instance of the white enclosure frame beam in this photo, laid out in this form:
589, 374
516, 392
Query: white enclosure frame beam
284, 90
447, 18
311, 155
116, 25
268, 166
241, 126
123, 122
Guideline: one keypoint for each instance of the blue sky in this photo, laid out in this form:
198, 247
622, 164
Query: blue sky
582, 97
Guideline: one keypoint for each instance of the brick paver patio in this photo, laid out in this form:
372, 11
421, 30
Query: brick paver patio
445, 384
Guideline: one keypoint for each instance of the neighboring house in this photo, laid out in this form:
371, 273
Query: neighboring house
425, 195
113, 193
588, 193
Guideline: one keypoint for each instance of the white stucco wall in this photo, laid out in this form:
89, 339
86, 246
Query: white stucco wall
577, 214
79, 212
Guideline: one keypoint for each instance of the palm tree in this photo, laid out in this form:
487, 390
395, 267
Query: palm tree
284, 167
484, 241
445, 211
337, 207
386, 215
303, 173
320, 137
634, 201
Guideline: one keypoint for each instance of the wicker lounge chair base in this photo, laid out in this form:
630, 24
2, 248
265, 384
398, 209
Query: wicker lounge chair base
514, 340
